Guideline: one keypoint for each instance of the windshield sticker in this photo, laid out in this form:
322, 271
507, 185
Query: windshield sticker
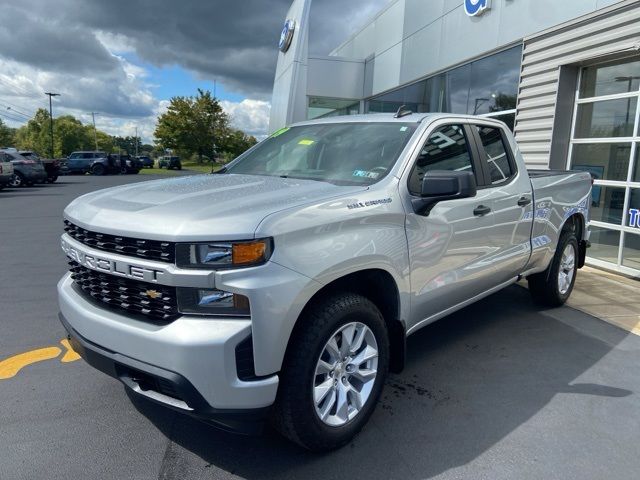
279, 132
404, 129
366, 174
306, 142
369, 203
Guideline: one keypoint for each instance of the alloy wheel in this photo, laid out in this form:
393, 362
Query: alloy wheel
567, 269
345, 374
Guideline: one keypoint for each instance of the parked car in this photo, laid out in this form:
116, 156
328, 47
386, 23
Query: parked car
51, 165
170, 163
285, 285
25, 171
6, 171
147, 162
115, 164
81, 162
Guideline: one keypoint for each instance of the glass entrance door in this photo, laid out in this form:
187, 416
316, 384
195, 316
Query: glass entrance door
606, 143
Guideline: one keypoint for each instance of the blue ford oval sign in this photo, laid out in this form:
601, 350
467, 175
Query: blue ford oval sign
476, 7
287, 35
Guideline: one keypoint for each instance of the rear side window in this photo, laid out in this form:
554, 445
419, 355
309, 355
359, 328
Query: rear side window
447, 148
495, 154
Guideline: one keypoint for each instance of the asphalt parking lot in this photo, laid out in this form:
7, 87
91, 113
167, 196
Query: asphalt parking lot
500, 390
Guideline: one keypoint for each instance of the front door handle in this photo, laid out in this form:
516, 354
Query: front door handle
524, 201
481, 211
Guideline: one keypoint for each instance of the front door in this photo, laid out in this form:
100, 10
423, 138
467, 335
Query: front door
450, 247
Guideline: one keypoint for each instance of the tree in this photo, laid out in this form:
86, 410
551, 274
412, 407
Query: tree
236, 142
6, 135
127, 144
192, 124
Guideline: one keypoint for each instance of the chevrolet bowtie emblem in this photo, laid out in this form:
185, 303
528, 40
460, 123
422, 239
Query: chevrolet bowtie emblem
153, 294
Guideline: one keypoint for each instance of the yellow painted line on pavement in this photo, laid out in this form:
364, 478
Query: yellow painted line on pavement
12, 365
70, 355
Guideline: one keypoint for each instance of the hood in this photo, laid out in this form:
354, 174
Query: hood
195, 208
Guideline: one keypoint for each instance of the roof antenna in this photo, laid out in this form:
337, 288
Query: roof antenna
402, 112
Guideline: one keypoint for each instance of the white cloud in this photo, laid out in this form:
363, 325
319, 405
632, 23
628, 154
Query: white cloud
250, 116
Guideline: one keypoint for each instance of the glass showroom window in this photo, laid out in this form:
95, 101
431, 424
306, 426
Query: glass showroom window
487, 87
606, 143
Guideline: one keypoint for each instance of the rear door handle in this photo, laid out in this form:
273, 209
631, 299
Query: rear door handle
524, 201
481, 211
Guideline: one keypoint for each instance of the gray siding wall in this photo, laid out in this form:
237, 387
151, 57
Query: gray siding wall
612, 32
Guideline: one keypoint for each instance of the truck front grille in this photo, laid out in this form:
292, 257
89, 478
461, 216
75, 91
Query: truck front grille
157, 303
132, 247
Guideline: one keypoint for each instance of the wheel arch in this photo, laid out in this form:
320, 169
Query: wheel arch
577, 224
379, 287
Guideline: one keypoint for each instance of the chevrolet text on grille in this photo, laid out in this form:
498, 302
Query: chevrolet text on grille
114, 267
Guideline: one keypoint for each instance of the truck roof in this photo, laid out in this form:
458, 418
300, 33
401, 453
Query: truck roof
387, 117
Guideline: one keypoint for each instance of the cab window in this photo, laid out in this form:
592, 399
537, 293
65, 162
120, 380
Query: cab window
495, 154
447, 148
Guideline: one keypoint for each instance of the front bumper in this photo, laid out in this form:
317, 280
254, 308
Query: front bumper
198, 351
163, 386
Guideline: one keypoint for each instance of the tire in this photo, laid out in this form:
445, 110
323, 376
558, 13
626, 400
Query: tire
98, 169
17, 180
179, 167
52, 179
553, 287
296, 414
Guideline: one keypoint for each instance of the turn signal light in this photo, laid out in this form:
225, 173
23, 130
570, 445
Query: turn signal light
250, 252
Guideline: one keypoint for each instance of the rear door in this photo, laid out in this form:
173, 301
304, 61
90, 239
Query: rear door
450, 247
509, 195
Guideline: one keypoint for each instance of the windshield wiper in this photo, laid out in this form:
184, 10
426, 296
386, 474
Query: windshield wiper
222, 170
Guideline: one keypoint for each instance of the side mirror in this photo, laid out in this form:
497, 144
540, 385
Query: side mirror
440, 185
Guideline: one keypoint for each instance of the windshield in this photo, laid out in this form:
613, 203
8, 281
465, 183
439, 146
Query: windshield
339, 153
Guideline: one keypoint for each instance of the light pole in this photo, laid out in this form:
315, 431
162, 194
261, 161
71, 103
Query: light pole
136, 141
50, 94
95, 132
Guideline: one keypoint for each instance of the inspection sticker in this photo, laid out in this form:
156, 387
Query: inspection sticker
279, 132
306, 142
365, 174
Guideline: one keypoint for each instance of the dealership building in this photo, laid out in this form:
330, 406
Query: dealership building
564, 75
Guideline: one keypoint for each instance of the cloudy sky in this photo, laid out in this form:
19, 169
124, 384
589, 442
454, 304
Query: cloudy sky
125, 58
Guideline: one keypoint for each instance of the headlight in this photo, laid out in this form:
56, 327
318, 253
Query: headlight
223, 255
212, 302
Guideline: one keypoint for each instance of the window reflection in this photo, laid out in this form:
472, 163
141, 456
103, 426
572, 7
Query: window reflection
485, 86
608, 161
610, 118
610, 79
607, 204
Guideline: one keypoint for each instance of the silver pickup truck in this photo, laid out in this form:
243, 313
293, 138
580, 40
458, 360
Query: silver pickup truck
284, 286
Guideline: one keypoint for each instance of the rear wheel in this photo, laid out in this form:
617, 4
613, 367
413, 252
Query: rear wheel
333, 373
17, 180
98, 169
553, 287
52, 179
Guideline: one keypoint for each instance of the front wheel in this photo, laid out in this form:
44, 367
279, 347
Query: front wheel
333, 373
553, 287
98, 169
17, 180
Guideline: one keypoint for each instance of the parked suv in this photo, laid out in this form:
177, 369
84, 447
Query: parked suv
6, 171
51, 165
115, 163
147, 162
170, 163
81, 162
25, 171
